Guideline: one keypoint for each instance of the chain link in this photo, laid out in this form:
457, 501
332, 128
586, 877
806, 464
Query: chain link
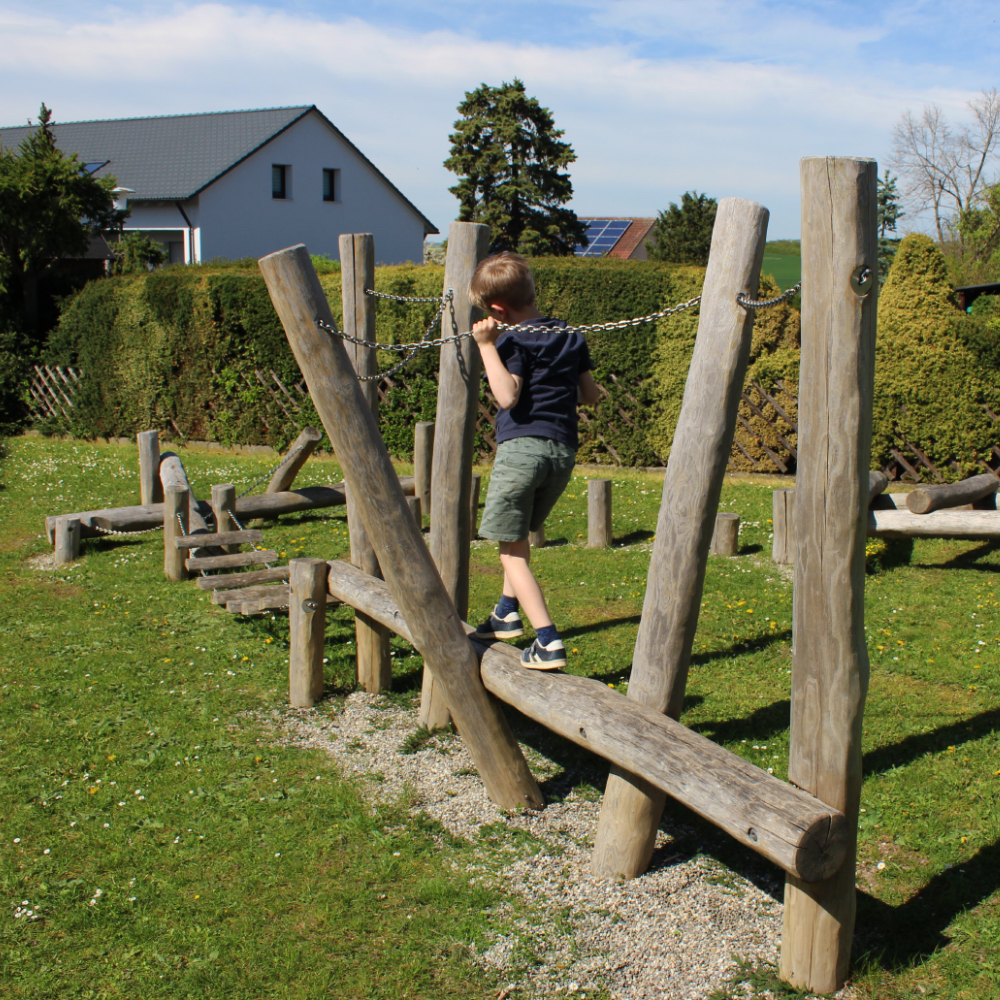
748, 303
239, 527
405, 298
125, 534
618, 324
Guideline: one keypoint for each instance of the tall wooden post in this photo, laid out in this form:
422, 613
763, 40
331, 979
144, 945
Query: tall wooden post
357, 269
223, 506
783, 525
307, 630
150, 488
830, 661
598, 513
176, 501
632, 808
409, 571
454, 435
423, 460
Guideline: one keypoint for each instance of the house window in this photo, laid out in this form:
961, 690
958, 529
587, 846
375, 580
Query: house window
331, 185
279, 180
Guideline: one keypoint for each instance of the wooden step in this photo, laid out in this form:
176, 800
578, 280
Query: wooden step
247, 593
231, 580
256, 558
219, 538
257, 605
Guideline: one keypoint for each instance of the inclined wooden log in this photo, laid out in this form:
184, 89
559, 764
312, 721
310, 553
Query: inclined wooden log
175, 509
925, 499
307, 628
726, 536
265, 505
789, 827
454, 436
632, 808
357, 271
229, 580
296, 456
402, 554
413, 505
67, 544
830, 659
173, 476
598, 513
150, 487
877, 482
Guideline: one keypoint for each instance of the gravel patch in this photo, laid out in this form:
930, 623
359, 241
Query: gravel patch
670, 935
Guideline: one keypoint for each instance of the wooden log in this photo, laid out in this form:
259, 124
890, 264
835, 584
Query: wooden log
783, 523
830, 659
536, 539
726, 536
598, 513
409, 571
925, 499
150, 487
413, 505
357, 270
632, 807
176, 500
940, 524
307, 628
223, 597
877, 482
793, 829
247, 535
172, 475
296, 456
223, 507
259, 557
454, 435
256, 605
423, 458
230, 580
67, 547
477, 482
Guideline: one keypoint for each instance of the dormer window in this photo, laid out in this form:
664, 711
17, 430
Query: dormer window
279, 180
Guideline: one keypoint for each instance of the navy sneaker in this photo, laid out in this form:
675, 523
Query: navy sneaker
539, 657
508, 627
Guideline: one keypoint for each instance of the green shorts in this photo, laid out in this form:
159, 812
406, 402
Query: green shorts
529, 475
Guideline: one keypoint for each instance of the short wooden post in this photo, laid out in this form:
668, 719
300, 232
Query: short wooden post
477, 482
409, 571
536, 539
454, 437
726, 537
307, 630
223, 507
297, 456
176, 500
783, 523
150, 488
423, 460
413, 503
67, 548
692, 485
830, 660
357, 272
598, 513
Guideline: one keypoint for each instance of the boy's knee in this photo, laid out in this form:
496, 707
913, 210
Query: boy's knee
515, 549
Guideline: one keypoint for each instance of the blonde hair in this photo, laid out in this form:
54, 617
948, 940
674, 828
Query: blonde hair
504, 278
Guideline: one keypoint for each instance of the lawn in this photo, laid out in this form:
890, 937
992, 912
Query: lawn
159, 840
783, 261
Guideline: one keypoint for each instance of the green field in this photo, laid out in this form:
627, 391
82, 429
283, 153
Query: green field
783, 261
168, 845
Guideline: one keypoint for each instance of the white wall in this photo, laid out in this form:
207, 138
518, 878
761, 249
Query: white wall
239, 218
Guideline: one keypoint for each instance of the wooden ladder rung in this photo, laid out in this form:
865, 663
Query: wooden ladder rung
247, 593
231, 580
219, 538
256, 558
255, 605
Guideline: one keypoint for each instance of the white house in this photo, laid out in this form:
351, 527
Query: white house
244, 183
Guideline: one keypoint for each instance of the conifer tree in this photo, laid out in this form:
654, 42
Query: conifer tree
683, 235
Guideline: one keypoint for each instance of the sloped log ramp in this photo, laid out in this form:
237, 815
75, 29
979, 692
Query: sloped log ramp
259, 557
793, 829
231, 580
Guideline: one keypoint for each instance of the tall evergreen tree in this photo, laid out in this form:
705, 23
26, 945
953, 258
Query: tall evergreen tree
511, 165
890, 209
683, 235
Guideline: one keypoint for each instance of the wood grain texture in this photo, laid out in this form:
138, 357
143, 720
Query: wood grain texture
357, 272
791, 828
423, 464
227, 581
939, 524
223, 507
302, 447
306, 628
258, 557
150, 487
413, 505
174, 506
67, 546
830, 659
926, 499
248, 593
454, 435
173, 475
699, 455
877, 482
783, 525
255, 606
219, 538
409, 571
726, 536
598, 513
477, 482
536, 539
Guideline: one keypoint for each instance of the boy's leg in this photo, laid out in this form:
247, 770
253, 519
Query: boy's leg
520, 582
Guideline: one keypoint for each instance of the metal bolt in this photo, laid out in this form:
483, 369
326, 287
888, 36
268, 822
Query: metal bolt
862, 280
309, 606
752, 834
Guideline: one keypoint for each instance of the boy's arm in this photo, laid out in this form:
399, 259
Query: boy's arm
587, 392
504, 386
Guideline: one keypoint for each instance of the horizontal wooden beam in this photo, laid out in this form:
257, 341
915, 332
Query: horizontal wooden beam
939, 524
259, 557
793, 829
230, 580
926, 499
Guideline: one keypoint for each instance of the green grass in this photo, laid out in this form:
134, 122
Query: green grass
231, 871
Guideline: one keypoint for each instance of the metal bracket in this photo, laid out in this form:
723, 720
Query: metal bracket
309, 606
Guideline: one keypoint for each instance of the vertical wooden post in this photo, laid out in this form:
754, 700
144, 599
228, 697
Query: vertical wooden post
423, 459
150, 488
454, 436
477, 482
598, 513
410, 574
307, 630
223, 505
830, 660
413, 503
67, 540
783, 523
176, 500
536, 539
726, 536
631, 811
302, 447
357, 270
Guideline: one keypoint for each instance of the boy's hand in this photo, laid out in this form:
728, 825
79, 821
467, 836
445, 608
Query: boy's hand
486, 331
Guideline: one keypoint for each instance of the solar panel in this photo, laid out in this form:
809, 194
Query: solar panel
601, 237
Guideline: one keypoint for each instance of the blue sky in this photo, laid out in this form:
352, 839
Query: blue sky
656, 96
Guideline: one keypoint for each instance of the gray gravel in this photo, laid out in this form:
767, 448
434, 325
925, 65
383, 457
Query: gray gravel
670, 935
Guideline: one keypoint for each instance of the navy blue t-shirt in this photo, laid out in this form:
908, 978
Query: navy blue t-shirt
549, 359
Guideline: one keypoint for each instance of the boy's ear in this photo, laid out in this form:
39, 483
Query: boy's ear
498, 311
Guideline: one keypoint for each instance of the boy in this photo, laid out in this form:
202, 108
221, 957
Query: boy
537, 375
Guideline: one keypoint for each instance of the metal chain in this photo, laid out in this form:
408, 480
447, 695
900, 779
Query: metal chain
749, 303
268, 475
125, 534
239, 527
404, 298
618, 324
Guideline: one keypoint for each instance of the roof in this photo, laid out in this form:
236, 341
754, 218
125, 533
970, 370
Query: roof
613, 237
174, 157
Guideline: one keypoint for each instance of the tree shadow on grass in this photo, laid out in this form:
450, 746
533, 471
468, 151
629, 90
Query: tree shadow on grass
632, 538
761, 724
969, 560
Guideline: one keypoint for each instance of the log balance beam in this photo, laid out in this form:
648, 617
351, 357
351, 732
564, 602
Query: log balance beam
795, 830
